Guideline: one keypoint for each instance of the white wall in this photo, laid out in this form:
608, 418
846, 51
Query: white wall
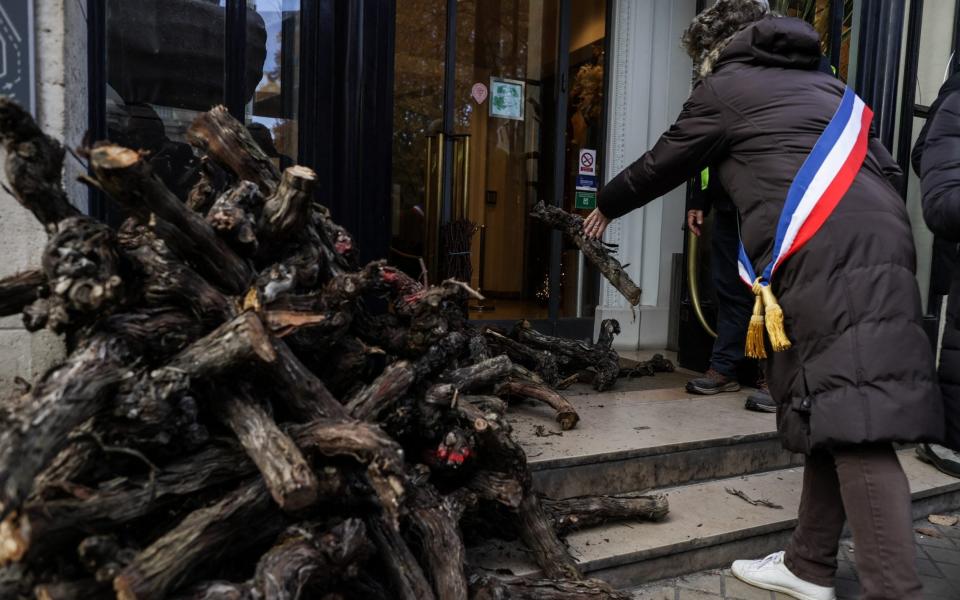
649, 80
61, 92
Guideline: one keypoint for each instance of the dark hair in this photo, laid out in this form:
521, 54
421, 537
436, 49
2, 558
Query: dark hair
711, 30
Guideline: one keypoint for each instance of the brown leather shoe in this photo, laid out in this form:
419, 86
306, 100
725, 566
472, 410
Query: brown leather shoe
712, 382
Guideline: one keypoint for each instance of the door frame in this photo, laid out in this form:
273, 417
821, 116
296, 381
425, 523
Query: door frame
580, 327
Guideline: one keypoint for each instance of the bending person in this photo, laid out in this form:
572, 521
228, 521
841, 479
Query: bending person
825, 231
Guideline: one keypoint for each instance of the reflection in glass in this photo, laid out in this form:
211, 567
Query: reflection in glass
417, 125
272, 114
165, 63
817, 13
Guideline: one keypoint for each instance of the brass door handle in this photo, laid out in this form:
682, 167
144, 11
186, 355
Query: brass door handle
693, 280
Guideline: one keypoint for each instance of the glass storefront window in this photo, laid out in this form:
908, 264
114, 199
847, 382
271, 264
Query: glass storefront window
818, 14
272, 114
165, 63
417, 125
503, 158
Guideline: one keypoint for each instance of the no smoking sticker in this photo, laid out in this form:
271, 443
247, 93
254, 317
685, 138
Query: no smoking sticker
588, 162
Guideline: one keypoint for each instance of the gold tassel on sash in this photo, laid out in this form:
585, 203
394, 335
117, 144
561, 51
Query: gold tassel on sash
766, 310
755, 345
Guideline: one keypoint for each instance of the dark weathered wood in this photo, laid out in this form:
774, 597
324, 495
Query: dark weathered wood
219, 590
16, 582
88, 589
283, 467
573, 355
571, 514
409, 581
567, 415
480, 375
287, 211
241, 518
302, 392
497, 487
155, 333
382, 392
45, 524
240, 341
537, 532
595, 250
204, 191
64, 398
19, 290
104, 556
339, 250
34, 165
167, 281
436, 521
227, 141
85, 272
129, 180
71, 463
368, 445
493, 587
541, 362
309, 559
232, 216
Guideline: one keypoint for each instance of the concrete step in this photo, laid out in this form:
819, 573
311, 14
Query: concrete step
648, 433
708, 527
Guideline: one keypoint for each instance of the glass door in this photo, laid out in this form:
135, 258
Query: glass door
481, 134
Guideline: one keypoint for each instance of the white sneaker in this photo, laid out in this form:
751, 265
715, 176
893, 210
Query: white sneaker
771, 574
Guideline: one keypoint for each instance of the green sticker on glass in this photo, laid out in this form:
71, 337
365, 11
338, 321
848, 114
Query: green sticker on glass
586, 200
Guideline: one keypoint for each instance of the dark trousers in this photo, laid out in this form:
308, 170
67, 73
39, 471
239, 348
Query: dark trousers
864, 485
734, 298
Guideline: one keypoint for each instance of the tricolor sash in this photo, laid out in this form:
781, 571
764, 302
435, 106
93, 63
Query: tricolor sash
826, 175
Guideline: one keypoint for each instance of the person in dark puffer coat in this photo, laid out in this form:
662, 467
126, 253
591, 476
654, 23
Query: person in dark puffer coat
860, 375
938, 151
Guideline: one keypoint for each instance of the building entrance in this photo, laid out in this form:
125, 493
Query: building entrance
493, 103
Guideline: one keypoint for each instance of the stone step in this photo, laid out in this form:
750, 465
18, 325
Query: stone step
708, 527
648, 433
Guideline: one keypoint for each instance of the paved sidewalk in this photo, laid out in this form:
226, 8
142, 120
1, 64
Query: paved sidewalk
938, 559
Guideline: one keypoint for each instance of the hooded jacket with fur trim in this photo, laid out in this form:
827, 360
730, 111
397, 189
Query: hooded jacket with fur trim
861, 368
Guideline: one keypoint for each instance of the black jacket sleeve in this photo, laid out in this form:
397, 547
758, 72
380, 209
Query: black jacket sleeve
940, 171
692, 142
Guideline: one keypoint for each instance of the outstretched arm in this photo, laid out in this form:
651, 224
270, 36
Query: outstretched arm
696, 139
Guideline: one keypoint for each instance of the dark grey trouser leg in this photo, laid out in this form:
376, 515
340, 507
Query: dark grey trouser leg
735, 301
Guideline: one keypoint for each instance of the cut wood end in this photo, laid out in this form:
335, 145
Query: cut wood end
123, 587
298, 498
301, 172
110, 156
567, 420
14, 539
259, 338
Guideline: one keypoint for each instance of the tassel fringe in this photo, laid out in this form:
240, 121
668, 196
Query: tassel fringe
778, 336
755, 346
766, 312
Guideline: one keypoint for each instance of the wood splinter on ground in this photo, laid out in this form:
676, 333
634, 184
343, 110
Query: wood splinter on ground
235, 418
761, 502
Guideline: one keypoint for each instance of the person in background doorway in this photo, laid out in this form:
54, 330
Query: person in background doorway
936, 158
734, 300
818, 198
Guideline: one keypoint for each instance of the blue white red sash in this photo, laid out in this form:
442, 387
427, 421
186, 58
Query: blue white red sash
826, 175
